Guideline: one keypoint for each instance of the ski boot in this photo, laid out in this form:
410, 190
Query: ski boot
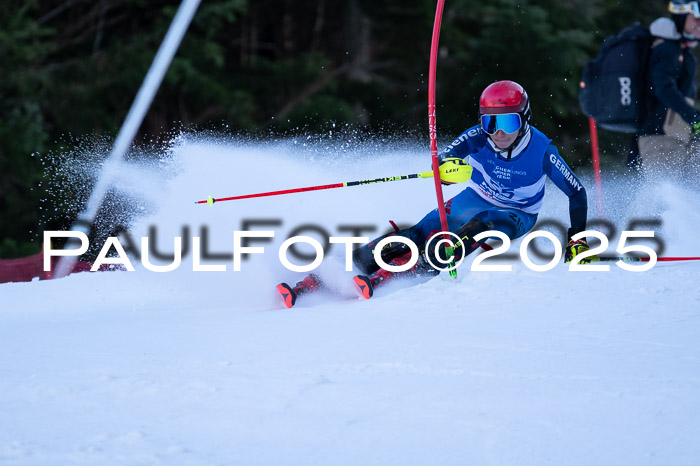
289, 295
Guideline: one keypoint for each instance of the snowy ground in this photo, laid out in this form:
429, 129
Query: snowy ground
501, 368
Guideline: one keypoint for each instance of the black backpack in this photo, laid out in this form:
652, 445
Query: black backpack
613, 86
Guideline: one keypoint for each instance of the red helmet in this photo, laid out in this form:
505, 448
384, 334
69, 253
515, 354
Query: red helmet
506, 97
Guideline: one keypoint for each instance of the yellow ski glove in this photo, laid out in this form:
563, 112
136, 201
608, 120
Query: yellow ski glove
454, 170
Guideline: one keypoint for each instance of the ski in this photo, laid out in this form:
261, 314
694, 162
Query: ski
290, 294
363, 284
646, 259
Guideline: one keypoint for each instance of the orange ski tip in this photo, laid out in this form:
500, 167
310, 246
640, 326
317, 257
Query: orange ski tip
364, 286
287, 294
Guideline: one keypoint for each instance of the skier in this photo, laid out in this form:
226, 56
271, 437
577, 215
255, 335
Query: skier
671, 130
510, 159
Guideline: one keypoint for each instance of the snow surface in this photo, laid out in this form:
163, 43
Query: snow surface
501, 368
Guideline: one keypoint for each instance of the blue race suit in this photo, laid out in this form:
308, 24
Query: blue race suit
507, 187
505, 193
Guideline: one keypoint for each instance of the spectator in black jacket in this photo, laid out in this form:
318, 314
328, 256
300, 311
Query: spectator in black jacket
672, 124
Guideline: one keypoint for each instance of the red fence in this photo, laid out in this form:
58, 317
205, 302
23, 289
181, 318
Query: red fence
26, 269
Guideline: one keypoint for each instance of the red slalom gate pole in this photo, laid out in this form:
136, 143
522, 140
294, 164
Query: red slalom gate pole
596, 165
432, 128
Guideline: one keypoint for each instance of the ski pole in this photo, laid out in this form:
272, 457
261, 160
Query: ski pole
487, 247
646, 259
452, 172
212, 200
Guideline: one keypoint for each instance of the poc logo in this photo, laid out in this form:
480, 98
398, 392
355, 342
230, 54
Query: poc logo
625, 90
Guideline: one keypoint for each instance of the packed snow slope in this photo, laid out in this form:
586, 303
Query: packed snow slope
500, 368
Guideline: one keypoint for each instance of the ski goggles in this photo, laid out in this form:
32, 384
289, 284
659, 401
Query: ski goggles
686, 8
507, 122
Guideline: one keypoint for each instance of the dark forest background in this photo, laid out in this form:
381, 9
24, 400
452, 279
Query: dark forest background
271, 67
